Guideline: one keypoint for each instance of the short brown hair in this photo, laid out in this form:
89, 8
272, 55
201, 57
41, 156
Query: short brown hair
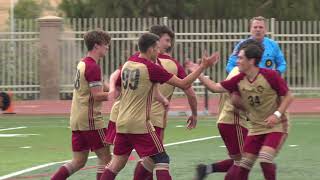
258, 18
161, 30
252, 49
146, 41
96, 37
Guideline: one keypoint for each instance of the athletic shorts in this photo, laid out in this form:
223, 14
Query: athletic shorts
148, 144
254, 143
111, 133
88, 140
233, 136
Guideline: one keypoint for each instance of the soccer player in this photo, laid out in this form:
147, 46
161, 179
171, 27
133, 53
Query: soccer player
86, 122
266, 97
232, 126
4, 101
158, 114
139, 78
272, 57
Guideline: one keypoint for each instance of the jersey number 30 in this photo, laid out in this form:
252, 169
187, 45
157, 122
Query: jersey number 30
130, 78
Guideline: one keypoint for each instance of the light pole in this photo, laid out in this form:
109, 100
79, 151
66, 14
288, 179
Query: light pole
11, 62
12, 24
12, 16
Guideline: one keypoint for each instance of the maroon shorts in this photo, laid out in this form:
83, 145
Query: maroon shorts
233, 136
160, 133
88, 140
111, 133
254, 143
145, 144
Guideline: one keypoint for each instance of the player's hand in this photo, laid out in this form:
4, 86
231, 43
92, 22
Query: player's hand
191, 66
192, 122
272, 120
166, 104
208, 61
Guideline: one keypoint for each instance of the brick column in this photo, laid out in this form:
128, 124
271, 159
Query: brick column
49, 64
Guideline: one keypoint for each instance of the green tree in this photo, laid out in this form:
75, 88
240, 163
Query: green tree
27, 9
124, 8
279, 9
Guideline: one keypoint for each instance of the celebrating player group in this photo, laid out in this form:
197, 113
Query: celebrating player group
252, 117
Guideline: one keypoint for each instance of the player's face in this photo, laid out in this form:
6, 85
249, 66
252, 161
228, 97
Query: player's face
103, 49
243, 62
154, 51
258, 29
164, 43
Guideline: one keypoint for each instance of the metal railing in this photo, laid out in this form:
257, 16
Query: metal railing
19, 51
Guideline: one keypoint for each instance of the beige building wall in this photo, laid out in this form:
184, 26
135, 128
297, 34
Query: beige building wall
5, 10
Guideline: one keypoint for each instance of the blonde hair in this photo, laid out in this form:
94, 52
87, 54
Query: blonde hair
258, 18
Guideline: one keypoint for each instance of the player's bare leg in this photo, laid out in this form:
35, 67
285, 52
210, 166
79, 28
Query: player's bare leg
78, 161
114, 167
104, 157
144, 168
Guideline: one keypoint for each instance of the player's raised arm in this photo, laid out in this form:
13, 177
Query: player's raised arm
187, 81
211, 85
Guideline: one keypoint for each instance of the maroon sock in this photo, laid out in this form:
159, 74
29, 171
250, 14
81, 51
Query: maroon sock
100, 170
222, 166
141, 173
232, 173
99, 176
61, 174
269, 170
108, 175
149, 177
243, 173
163, 175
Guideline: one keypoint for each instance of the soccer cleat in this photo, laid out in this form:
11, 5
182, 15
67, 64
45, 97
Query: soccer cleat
201, 172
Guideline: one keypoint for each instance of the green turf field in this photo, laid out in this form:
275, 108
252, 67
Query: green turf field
42, 140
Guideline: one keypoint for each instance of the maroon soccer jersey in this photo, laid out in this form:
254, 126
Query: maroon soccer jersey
261, 98
137, 78
85, 111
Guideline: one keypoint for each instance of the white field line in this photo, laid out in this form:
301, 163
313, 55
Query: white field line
7, 129
18, 135
91, 157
